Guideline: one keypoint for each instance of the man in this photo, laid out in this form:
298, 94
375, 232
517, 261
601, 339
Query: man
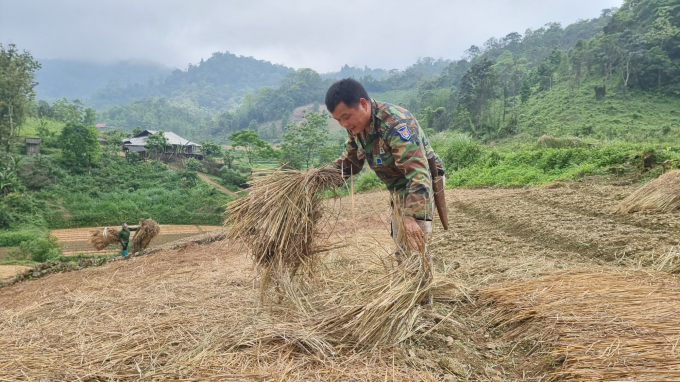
389, 138
124, 237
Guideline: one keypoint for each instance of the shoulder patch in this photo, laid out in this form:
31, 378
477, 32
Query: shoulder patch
404, 133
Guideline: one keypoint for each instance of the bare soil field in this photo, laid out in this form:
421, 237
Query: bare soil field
542, 283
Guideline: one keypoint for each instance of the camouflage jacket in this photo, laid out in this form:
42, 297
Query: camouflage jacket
397, 150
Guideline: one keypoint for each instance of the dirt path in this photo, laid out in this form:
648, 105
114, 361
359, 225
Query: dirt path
8, 271
218, 186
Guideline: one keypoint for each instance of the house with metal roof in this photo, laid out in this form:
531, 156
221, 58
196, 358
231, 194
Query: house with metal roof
176, 144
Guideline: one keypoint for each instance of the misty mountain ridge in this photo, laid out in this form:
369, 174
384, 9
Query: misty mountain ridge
75, 79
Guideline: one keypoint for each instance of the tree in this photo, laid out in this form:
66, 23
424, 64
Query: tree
211, 150
137, 130
79, 143
70, 112
44, 109
476, 89
301, 142
525, 91
90, 116
251, 143
157, 142
17, 80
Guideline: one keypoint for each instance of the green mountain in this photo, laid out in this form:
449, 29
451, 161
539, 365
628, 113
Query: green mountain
216, 83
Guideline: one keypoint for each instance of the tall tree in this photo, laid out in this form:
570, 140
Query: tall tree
17, 81
302, 142
250, 142
476, 89
80, 143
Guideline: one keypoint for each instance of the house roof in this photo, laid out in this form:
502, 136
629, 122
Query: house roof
173, 139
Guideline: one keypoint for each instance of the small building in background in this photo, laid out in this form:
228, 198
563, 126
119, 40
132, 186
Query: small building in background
33, 146
176, 145
102, 126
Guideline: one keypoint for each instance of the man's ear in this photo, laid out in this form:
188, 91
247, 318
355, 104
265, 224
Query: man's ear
364, 103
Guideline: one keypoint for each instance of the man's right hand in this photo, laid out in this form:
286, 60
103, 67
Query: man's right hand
415, 235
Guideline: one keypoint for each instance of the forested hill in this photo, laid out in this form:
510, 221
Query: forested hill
210, 84
79, 79
571, 81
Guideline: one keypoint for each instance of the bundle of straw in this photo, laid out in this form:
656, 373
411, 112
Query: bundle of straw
102, 238
603, 326
147, 230
661, 194
389, 310
278, 218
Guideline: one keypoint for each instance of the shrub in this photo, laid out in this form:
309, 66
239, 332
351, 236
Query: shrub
457, 150
193, 165
132, 157
367, 180
6, 218
232, 178
41, 249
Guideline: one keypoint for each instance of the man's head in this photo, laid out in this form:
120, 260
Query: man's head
124, 225
349, 104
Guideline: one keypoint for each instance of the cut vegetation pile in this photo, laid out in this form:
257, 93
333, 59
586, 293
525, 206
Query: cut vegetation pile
661, 194
147, 230
279, 218
279, 221
595, 326
103, 237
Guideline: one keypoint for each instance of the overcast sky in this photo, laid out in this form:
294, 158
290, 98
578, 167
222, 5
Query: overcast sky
322, 35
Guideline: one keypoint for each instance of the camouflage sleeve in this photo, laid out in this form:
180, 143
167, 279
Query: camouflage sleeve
349, 161
410, 158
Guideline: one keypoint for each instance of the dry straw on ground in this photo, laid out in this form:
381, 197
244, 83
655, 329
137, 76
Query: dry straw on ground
386, 309
147, 230
661, 194
103, 237
154, 319
596, 326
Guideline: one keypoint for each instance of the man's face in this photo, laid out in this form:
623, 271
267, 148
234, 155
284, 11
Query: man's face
355, 119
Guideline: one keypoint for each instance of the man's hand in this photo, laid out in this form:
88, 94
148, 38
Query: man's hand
414, 234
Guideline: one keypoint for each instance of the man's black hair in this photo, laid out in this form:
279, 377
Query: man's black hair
347, 90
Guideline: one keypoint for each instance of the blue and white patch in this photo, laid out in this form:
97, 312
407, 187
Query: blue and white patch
404, 133
378, 161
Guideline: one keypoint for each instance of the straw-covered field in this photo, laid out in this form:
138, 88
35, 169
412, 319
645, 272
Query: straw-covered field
530, 284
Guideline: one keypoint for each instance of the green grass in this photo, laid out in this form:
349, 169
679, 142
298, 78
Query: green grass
397, 97
31, 124
471, 164
642, 116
